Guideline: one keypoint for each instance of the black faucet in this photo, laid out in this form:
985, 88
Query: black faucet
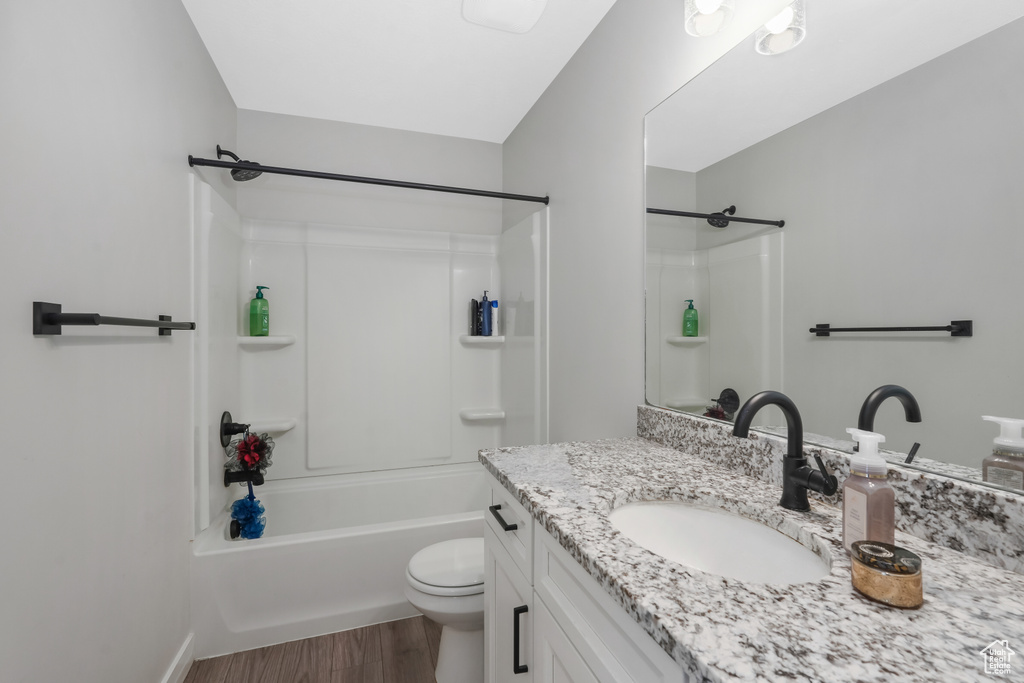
797, 475
866, 420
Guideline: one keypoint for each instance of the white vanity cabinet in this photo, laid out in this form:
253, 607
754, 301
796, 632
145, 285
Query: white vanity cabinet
508, 591
571, 631
555, 657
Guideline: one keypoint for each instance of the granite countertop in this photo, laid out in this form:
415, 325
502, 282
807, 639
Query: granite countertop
723, 629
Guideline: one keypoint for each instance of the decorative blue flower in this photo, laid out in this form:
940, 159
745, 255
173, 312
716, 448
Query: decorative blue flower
249, 513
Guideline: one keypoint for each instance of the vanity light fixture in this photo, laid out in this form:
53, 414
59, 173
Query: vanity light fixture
707, 17
514, 16
784, 32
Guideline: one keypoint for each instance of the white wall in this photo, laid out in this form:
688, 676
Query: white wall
582, 143
901, 208
352, 149
102, 102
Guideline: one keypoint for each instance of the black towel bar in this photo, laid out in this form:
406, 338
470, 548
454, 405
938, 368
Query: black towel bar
957, 328
47, 319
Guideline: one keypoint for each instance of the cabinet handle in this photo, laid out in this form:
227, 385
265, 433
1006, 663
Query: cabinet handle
504, 525
517, 668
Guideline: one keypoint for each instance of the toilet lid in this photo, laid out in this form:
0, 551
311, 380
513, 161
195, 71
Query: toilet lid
450, 564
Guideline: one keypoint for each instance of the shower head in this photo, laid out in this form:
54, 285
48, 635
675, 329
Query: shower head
240, 174
715, 222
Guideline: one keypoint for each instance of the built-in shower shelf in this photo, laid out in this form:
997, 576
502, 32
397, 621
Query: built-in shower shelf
474, 340
688, 403
687, 341
266, 342
482, 414
279, 426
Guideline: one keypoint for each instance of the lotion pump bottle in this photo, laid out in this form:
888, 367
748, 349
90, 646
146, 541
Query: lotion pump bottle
869, 503
690, 320
259, 314
1005, 467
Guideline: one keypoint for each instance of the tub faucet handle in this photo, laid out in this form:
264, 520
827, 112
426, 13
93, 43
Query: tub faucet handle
228, 428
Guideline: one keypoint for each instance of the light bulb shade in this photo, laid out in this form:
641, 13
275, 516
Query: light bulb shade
782, 32
514, 16
707, 17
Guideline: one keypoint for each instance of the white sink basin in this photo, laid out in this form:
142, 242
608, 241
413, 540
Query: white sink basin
718, 542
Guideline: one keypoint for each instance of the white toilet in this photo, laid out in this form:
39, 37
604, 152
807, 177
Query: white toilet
445, 582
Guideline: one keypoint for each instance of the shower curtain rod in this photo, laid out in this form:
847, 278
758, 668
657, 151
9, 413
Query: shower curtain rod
278, 170
715, 216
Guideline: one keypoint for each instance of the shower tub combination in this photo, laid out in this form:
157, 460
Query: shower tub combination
333, 555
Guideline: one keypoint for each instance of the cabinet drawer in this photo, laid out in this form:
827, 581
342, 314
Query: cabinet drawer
613, 645
503, 514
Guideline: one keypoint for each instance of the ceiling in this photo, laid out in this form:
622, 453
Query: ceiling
407, 64
851, 46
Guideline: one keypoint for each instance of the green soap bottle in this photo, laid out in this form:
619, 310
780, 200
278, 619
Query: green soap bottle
259, 314
690, 320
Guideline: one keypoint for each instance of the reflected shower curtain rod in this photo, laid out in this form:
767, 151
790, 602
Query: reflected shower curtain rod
278, 170
719, 219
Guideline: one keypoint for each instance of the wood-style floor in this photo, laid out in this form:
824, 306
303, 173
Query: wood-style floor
402, 651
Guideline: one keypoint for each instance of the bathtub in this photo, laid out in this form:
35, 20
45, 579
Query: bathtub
332, 557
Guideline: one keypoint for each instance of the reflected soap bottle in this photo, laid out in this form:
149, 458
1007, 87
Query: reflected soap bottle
690, 320
1005, 467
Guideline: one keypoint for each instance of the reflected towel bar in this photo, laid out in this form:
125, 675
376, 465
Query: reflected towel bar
47, 319
957, 328
720, 219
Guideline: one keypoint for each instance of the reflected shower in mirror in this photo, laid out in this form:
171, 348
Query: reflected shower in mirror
898, 175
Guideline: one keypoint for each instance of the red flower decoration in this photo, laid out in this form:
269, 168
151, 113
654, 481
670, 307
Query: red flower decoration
250, 451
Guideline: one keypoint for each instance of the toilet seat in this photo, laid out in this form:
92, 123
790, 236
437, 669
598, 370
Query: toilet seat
444, 591
449, 569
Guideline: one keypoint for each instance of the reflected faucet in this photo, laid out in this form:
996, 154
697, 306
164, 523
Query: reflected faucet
797, 475
866, 420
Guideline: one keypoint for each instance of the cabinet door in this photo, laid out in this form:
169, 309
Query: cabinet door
508, 617
556, 659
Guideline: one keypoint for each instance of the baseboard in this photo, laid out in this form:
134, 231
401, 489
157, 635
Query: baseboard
182, 661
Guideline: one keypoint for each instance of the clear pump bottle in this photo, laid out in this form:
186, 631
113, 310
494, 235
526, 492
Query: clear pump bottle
869, 503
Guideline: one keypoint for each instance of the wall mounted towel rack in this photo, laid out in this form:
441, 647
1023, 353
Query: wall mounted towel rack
957, 328
47, 319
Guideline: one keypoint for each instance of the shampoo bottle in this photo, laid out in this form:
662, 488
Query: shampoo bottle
869, 503
1005, 467
259, 314
494, 318
485, 314
690, 320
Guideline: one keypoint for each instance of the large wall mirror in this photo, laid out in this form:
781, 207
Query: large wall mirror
891, 142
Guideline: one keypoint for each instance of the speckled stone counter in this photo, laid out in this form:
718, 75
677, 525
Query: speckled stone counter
978, 520
725, 630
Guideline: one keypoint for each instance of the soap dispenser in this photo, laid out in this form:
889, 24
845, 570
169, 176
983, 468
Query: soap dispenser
869, 503
259, 314
1005, 467
690, 320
